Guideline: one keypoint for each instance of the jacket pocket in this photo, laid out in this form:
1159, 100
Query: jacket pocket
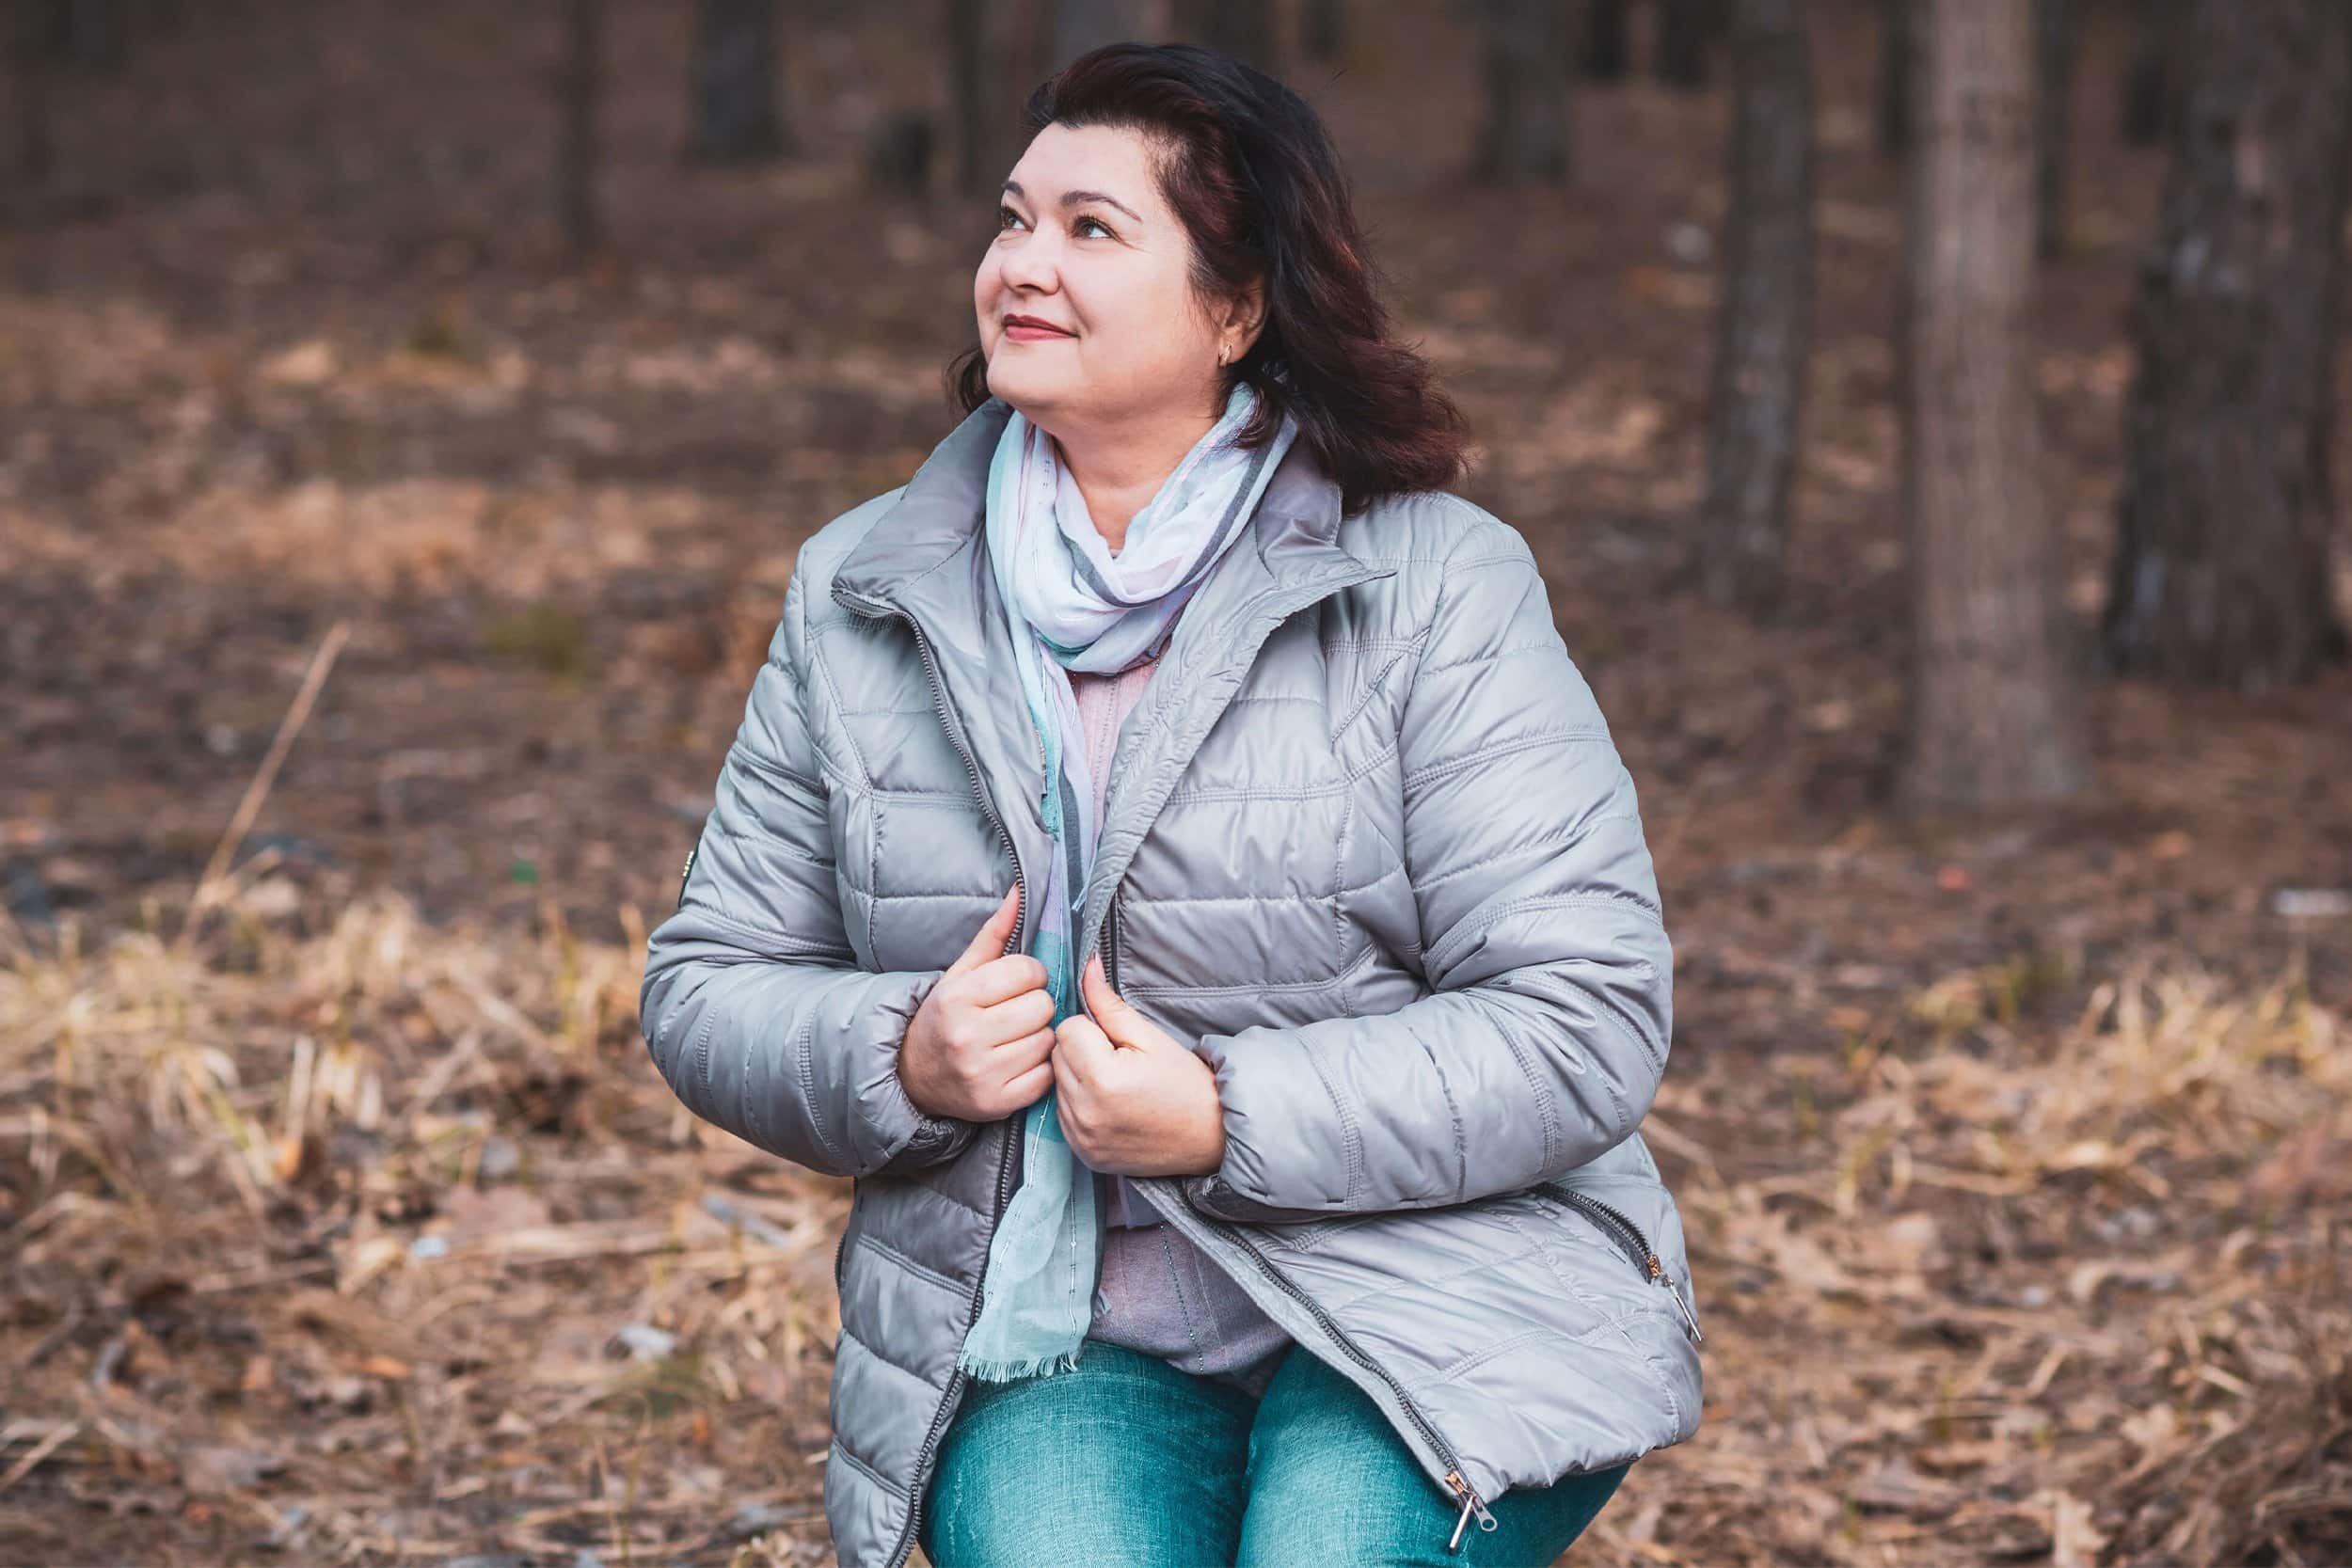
1628, 1239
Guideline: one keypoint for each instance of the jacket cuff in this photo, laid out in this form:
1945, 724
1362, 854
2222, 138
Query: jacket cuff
1228, 1192
1276, 1113
901, 1135
1215, 1197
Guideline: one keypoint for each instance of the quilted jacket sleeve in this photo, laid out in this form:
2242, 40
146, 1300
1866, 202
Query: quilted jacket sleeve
753, 1005
1543, 942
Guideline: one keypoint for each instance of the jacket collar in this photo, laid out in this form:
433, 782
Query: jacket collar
926, 559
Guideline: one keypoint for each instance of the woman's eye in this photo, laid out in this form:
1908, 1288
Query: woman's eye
1006, 217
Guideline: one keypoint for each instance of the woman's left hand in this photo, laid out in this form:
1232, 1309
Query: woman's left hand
1133, 1100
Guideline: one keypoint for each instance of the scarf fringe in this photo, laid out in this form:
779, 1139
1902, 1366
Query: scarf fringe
989, 1370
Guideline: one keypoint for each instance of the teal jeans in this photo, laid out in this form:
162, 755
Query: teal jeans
1125, 1462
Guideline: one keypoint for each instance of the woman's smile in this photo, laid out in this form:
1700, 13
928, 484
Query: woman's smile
1024, 332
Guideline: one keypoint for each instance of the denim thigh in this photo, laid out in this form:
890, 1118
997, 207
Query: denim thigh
1120, 1459
1329, 1481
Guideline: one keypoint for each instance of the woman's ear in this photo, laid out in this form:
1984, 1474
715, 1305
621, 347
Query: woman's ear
1243, 317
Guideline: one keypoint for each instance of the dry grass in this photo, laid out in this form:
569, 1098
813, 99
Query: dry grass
2020, 1292
385, 1240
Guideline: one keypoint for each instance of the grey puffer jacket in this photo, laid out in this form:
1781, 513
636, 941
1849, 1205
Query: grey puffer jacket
1367, 848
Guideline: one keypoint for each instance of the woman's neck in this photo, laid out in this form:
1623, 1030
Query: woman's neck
1118, 472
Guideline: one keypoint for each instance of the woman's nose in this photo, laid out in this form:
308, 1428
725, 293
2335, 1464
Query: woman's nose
1029, 263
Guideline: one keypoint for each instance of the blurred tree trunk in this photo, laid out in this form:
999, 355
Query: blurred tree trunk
2058, 38
30, 51
736, 84
1764, 324
990, 78
1083, 24
1242, 28
2221, 571
1523, 113
580, 90
102, 35
1606, 53
80, 35
2152, 84
1896, 50
1992, 709
1687, 30
1322, 29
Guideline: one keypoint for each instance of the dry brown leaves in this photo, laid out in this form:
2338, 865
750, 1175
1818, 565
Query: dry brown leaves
388, 1240
2020, 1293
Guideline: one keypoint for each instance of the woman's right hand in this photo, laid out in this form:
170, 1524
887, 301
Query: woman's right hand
981, 1045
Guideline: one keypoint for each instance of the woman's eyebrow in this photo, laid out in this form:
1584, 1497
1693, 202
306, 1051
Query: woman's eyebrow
1070, 198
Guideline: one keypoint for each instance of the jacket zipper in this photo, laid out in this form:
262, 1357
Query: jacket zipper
1630, 1240
1012, 1161
1012, 1155
1112, 935
1471, 1503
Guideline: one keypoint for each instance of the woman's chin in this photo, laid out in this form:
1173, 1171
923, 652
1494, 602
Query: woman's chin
1031, 395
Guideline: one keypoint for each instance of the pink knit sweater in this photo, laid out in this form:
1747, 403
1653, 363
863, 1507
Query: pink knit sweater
1156, 1292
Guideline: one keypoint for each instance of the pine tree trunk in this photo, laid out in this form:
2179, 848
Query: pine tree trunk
31, 54
2057, 29
1895, 48
2221, 571
1687, 29
1523, 121
1764, 326
1322, 29
990, 77
1242, 28
580, 90
1607, 50
1080, 25
2152, 84
736, 84
88, 35
1991, 704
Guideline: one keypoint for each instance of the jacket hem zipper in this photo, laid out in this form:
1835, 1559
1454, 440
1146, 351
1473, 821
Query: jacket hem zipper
1472, 1502
1630, 1239
1005, 1169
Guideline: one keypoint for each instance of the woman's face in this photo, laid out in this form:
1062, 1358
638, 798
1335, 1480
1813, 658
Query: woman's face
1085, 243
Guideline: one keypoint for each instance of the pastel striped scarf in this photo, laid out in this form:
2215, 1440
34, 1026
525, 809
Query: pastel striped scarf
1074, 605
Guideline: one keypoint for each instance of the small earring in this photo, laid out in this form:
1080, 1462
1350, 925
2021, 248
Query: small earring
1222, 351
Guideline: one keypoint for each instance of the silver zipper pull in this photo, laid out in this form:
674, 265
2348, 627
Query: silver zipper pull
1696, 1334
1658, 1272
1469, 1505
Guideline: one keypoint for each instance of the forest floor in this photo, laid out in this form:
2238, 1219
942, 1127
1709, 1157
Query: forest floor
353, 1223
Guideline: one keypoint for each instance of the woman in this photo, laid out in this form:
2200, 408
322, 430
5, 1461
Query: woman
1171, 863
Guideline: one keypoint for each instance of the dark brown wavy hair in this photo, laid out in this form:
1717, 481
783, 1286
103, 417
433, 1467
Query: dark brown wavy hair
1247, 167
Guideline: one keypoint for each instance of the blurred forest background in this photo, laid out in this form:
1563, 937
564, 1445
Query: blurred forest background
1923, 411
